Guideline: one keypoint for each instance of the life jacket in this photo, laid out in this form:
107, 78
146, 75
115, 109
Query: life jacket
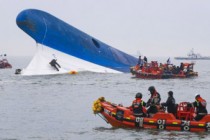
137, 67
138, 107
155, 98
201, 101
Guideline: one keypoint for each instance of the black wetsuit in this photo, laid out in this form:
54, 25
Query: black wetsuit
170, 104
54, 64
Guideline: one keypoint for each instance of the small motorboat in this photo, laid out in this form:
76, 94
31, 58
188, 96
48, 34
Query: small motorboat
163, 71
4, 64
122, 117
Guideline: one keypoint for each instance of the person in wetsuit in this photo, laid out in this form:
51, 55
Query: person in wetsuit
154, 101
54, 64
170, 103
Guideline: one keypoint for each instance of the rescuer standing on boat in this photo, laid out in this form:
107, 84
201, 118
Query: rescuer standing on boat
200, 105
154, 101
170, 103
138, 106
140, 62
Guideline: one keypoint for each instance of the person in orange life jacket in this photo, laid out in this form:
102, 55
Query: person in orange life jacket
138, 106
154, 101
200, 105
170, 103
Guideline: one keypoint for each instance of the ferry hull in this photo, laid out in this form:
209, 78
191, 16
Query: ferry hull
54, 33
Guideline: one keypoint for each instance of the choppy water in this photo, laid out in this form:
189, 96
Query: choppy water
59, 107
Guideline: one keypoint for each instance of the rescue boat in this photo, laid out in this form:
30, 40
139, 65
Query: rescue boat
122, 117
163, 71
4, 64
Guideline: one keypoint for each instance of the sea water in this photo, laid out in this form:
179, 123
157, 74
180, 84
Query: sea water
59, 107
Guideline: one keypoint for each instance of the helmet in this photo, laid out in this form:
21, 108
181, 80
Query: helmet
138, 95
170, 93
197, 95
151, 88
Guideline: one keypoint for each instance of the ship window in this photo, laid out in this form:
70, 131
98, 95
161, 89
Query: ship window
96, 43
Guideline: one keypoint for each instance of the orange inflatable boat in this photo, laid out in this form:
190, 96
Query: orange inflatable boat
163, 71
119, 116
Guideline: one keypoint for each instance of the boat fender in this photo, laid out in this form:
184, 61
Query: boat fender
97, 108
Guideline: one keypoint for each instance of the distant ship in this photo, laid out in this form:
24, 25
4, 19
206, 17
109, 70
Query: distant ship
193, 56
73, 49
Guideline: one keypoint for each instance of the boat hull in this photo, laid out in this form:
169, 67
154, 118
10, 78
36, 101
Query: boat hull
52, 32
154, 71
122, 117
143, 75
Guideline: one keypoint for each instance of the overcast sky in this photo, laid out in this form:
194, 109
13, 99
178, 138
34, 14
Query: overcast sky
151, 27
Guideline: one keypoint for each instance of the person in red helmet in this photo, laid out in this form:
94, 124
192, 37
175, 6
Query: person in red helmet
200, 105
138, 106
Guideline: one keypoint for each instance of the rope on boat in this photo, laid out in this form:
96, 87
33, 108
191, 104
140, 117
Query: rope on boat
102, 117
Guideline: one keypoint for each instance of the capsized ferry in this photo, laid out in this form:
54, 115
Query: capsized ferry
122, 117
73, 49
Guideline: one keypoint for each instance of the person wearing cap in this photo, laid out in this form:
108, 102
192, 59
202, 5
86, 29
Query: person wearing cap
170, 103
154, 101
200, 105
138, 106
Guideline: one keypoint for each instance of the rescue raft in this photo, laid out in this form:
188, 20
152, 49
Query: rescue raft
163, 71
4, 64
119, 116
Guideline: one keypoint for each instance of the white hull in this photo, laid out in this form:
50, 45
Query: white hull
39, 65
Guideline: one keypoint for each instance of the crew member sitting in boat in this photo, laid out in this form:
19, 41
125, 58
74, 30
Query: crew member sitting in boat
138, 106
54, 64
200, 105
154, 101
170, 103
